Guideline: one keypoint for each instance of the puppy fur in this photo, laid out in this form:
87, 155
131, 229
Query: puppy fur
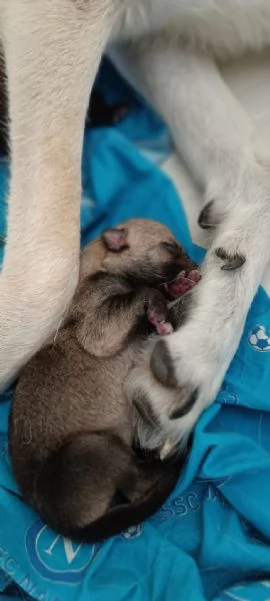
72, 429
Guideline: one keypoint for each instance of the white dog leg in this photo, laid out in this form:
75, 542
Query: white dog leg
52, 51
221, 146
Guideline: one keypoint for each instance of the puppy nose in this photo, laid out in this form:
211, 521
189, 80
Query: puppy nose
162, 366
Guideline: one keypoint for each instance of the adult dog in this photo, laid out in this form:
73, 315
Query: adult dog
52, 49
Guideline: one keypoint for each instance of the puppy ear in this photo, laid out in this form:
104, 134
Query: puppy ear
115, 239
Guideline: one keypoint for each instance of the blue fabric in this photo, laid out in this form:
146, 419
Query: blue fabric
210, 541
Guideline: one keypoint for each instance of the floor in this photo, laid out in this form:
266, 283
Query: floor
249, 79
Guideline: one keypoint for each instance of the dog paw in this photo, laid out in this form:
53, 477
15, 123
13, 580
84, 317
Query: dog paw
181, 378
184, 372
191, 363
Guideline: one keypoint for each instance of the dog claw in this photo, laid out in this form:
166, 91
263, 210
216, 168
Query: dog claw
231, 261
181, 412
206, 218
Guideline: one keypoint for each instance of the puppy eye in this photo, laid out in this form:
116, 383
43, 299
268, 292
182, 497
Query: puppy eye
173, 248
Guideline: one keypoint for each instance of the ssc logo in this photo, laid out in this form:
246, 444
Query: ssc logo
57, 558
259, 339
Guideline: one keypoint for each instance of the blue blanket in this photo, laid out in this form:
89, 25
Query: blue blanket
210, 541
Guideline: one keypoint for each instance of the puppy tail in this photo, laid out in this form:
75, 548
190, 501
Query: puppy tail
94, 487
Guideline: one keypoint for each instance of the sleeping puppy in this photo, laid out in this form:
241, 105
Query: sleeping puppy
72, 430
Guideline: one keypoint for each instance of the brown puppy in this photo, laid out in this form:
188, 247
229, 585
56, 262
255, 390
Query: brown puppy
71, 427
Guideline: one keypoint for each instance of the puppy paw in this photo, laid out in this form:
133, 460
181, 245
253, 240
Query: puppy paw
157, 314
185, 281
